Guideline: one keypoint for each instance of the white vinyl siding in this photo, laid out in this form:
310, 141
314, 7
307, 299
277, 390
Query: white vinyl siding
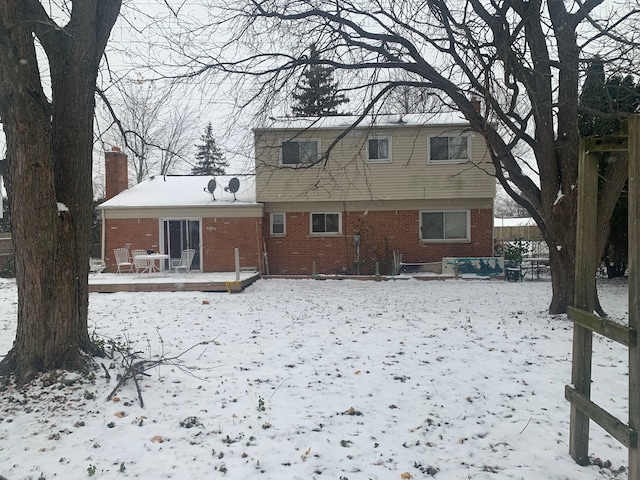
347, 175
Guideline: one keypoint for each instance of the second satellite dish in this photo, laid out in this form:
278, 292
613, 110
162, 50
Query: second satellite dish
234, 186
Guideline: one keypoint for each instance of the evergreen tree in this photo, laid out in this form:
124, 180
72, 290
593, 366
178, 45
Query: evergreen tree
210, 160
595, 103
600, 101
317, 92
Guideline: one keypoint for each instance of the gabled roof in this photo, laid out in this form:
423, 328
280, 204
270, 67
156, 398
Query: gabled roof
183, 191
344, 121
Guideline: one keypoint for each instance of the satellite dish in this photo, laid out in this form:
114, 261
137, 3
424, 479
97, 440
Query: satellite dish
234, 186
211, 186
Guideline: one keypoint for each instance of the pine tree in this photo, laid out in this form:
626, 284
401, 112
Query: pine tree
317, 92
594, 102
210, 160
601, 102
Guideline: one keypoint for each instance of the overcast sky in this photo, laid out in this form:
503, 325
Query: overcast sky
134, 45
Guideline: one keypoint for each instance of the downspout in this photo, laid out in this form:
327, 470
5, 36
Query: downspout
102, 235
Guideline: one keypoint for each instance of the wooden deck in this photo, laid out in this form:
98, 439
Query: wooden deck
171, 282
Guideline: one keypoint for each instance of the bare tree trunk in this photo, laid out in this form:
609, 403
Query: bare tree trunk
49, 163
562, 281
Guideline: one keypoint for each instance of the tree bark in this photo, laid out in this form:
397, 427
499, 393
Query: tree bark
521, 58
49, 145
562, 281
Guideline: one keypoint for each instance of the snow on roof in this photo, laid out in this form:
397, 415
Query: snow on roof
344, 121
514, 222
183, 190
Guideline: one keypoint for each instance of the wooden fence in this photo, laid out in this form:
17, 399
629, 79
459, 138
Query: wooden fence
522, 232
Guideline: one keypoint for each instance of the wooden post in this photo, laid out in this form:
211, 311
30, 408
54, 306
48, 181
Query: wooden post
237, 259
634, 289
584, 298
585, 322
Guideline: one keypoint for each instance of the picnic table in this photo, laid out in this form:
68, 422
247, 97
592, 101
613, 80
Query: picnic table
535, 266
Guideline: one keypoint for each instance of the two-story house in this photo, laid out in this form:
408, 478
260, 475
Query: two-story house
328, 198
339, 199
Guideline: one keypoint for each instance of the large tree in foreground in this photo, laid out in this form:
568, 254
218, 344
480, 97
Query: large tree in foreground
522, 59
49, 145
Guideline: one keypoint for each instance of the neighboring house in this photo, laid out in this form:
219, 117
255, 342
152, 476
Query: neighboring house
338, 201
6, 253
170, 213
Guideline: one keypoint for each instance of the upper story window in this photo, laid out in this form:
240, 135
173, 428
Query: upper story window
444, 226
449, 148
326, 223
278, 224
379, 149
299, 152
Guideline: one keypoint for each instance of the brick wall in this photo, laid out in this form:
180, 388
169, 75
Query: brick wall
141, 233
381, 233
220, 236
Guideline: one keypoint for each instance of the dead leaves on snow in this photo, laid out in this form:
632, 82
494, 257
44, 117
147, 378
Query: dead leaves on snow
304, 456
353, 412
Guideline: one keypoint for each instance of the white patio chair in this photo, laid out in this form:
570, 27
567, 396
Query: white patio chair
184, 263
96, 266
122, 260
142, 265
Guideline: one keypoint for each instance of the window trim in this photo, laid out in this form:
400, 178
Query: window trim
449, 161
467, 239
284, 225
380, 160
298, 140
325, 234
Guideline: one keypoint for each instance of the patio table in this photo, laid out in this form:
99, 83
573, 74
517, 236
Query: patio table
151, 258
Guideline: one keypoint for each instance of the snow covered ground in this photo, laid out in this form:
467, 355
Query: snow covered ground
309, 379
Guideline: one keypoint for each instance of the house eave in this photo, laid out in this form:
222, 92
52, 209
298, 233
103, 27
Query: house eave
253, 210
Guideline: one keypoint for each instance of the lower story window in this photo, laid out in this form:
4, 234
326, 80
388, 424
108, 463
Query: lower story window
325, 223
278, 224
447, 225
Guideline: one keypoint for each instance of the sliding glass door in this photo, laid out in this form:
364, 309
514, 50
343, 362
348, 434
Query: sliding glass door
178, 235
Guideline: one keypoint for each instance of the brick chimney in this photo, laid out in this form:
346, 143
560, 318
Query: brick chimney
475, 102
116, 172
